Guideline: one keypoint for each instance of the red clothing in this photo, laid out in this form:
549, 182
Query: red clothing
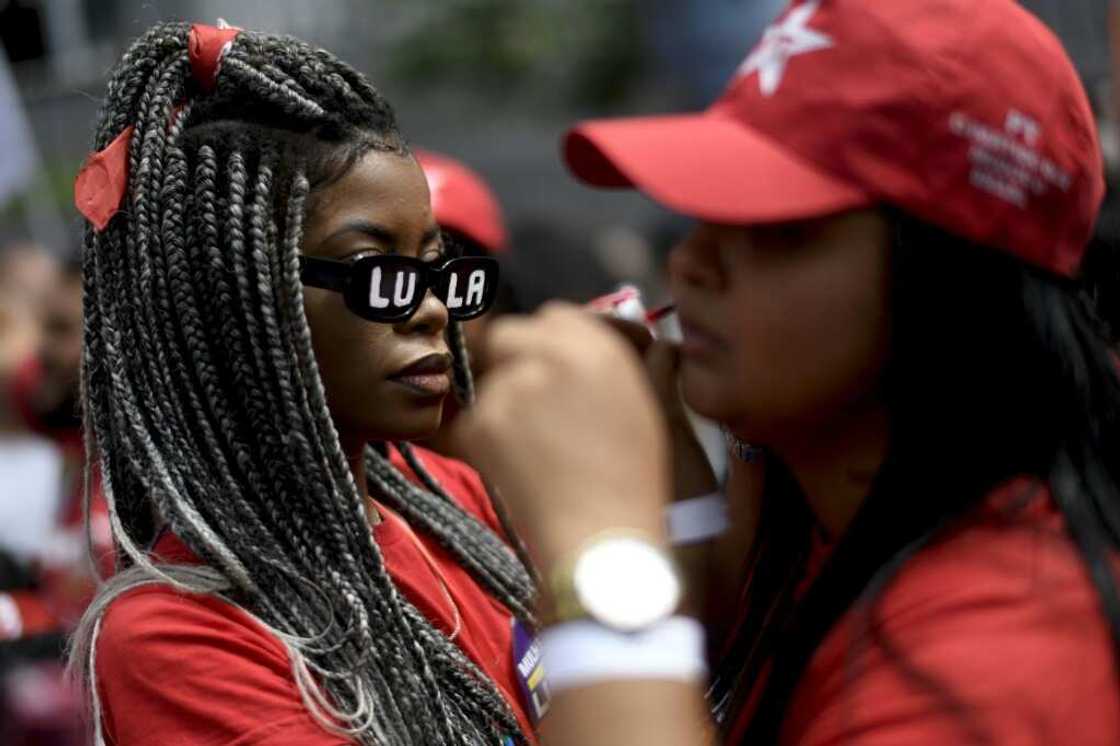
196, 670
25, 381
24, 613
1001, 614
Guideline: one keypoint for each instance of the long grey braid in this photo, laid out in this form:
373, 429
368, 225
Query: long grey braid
204, 407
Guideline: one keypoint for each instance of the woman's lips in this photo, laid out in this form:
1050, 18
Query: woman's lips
428, 376
697, 341
429, 384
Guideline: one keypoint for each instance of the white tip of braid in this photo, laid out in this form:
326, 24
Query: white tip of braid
91, 684
363, 717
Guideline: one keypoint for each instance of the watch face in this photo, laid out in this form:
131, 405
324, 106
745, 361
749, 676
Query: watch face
626, 583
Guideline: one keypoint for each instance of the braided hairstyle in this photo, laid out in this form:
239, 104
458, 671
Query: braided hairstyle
203, 402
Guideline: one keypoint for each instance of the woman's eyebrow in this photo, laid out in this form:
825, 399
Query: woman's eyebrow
365, 227
379, 232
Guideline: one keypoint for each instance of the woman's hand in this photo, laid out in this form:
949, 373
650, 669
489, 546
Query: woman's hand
692, 471
568, 427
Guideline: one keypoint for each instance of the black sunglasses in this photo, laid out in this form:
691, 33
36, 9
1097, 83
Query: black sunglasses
390, 287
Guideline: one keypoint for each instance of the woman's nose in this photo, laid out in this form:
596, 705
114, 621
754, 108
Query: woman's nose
695, 260
431, 318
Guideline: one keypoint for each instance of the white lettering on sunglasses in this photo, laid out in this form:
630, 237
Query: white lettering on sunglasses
476, 290
400, 297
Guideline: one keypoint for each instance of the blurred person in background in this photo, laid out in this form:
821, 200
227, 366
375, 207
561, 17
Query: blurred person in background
266, 330
469, 214
45, 575
467, 209
27, 274
43, 393
884, 292
48, 382
30, 466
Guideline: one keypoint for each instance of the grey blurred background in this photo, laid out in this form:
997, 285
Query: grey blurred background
491, 82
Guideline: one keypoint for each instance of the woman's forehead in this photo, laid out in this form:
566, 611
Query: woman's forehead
384, 191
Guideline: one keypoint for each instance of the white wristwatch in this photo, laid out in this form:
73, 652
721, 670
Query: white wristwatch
619, 579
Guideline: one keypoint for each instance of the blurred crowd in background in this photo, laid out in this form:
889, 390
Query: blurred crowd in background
491, 83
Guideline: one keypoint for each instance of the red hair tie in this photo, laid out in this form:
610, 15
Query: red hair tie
102, 182
206, 47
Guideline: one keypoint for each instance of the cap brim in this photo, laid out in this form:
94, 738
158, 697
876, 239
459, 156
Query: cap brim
708, 167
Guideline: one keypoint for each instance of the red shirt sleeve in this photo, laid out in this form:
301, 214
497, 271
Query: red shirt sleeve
186, 670
1007, 625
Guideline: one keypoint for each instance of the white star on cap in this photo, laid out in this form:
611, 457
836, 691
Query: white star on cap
783, 40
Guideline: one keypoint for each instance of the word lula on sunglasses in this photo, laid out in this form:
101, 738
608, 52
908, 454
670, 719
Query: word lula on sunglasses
390, 287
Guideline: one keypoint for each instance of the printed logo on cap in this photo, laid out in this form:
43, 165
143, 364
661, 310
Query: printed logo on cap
1008, 163
785, 39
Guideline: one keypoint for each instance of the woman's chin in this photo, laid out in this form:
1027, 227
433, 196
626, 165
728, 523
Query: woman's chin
704, 395
416, 423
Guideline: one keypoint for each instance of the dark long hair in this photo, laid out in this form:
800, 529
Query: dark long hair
996, 370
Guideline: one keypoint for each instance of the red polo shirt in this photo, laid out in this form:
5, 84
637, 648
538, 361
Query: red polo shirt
1000, 613
191, 670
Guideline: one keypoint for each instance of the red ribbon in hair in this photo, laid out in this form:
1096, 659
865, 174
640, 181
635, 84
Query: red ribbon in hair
102, 182
206, 47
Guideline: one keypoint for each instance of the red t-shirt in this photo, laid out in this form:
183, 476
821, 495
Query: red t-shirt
1000, 613
181, 669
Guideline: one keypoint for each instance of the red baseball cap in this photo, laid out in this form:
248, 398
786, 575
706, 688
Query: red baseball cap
462, 202
965, 113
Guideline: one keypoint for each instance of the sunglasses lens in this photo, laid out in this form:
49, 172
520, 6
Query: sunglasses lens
468, 286
385, 288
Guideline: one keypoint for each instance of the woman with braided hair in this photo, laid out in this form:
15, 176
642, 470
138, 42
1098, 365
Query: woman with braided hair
259, 346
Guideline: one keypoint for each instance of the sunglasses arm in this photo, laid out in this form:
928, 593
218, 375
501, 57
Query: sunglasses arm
326, 274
